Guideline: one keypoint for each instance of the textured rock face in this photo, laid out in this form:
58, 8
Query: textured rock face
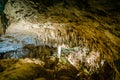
18, 10
1, 31
56, 26
86, 37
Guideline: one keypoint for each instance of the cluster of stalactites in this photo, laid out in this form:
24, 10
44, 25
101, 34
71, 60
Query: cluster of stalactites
60, 36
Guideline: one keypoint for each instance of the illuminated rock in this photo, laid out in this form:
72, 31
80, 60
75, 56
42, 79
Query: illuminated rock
85, 39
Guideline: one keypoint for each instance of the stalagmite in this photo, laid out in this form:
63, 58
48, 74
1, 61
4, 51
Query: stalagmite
59, 51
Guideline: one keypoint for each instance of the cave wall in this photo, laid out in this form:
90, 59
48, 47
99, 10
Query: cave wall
89, 35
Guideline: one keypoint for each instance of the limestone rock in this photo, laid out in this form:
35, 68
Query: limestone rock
89, 38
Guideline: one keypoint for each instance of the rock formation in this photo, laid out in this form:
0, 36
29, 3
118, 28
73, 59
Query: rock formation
87, 38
